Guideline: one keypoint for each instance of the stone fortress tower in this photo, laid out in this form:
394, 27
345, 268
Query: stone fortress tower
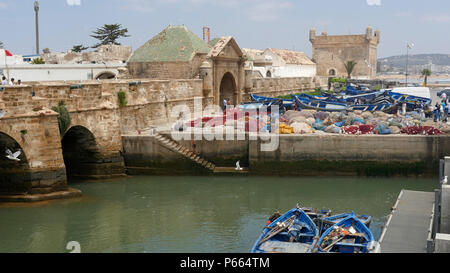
331, 52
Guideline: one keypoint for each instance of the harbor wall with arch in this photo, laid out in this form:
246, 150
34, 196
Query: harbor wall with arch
98, 114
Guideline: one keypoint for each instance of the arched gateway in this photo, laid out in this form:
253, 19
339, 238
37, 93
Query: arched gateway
228, 89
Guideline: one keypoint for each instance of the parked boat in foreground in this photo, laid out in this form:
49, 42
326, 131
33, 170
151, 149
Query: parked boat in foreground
328, 221
293, 232
350, 235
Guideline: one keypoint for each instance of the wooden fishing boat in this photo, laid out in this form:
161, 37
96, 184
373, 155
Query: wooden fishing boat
317, 214
326, 222
293, 232
387, 108
366, 96
328, 98
412, 102
287, 103
304, 103
349, 235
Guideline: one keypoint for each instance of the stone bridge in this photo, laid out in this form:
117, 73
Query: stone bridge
91, 147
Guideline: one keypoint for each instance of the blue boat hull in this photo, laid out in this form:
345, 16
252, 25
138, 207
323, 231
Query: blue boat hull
304, 103
361, 241
293, 232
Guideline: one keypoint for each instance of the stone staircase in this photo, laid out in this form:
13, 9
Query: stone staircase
177, 148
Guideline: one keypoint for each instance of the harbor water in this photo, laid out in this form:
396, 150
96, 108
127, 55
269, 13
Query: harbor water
188, 214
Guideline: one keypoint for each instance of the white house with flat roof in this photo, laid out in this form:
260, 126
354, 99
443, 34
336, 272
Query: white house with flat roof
280, 63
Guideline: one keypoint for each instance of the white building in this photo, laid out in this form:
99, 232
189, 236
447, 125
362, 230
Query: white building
279, 63
100, 65
61, 72
288, 63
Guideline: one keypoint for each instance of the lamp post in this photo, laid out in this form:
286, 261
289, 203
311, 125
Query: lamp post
408, 47
36, 9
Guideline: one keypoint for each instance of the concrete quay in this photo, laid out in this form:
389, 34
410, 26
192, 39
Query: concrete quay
308, 155
420, 221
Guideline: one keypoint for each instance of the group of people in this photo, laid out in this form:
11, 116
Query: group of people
442, 109
11, 82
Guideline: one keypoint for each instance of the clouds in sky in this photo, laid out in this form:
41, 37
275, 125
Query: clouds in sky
73, 2
374, 2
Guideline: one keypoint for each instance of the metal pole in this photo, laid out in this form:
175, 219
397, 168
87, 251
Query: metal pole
36, 9
407, 51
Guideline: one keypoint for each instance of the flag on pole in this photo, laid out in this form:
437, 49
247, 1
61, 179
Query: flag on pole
8, 53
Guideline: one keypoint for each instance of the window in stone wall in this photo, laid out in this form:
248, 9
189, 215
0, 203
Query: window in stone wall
332, 72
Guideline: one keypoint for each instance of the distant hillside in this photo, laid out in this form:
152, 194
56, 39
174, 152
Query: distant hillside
438, 63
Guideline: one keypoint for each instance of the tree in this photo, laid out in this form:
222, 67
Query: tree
37, 61
64, 119
350, 66
426, 73
1, 45
79, 48
109, 34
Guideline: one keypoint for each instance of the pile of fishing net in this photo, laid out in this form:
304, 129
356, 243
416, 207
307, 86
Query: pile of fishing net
358, 129
421, 130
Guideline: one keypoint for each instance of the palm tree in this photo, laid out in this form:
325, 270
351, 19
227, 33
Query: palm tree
426, 73
349, 66
1, 45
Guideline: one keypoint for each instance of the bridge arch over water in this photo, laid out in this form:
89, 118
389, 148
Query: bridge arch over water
80, 152
15, 176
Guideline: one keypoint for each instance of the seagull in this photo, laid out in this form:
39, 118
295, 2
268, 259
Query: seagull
12, 156
445, 180
238, 166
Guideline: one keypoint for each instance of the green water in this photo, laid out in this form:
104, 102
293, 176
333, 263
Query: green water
187, 214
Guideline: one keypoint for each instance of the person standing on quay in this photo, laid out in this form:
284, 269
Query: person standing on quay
437, 108
444, 111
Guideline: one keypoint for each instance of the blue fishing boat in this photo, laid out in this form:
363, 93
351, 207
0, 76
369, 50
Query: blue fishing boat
304, 103
387, 108
349, 235
352, 91
293, 232
287, 103
412, 102
317, 214
329, 98
366, 96
326, 222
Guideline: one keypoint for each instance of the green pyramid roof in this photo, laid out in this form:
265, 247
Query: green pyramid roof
173, 44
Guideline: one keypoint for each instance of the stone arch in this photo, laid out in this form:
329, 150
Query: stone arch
80, 152
332, 72
227, 89
105, 75
15, 176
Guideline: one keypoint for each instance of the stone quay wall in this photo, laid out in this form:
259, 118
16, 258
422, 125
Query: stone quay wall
298, 155
273, 87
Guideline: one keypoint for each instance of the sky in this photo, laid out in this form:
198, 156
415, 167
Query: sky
257, 24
